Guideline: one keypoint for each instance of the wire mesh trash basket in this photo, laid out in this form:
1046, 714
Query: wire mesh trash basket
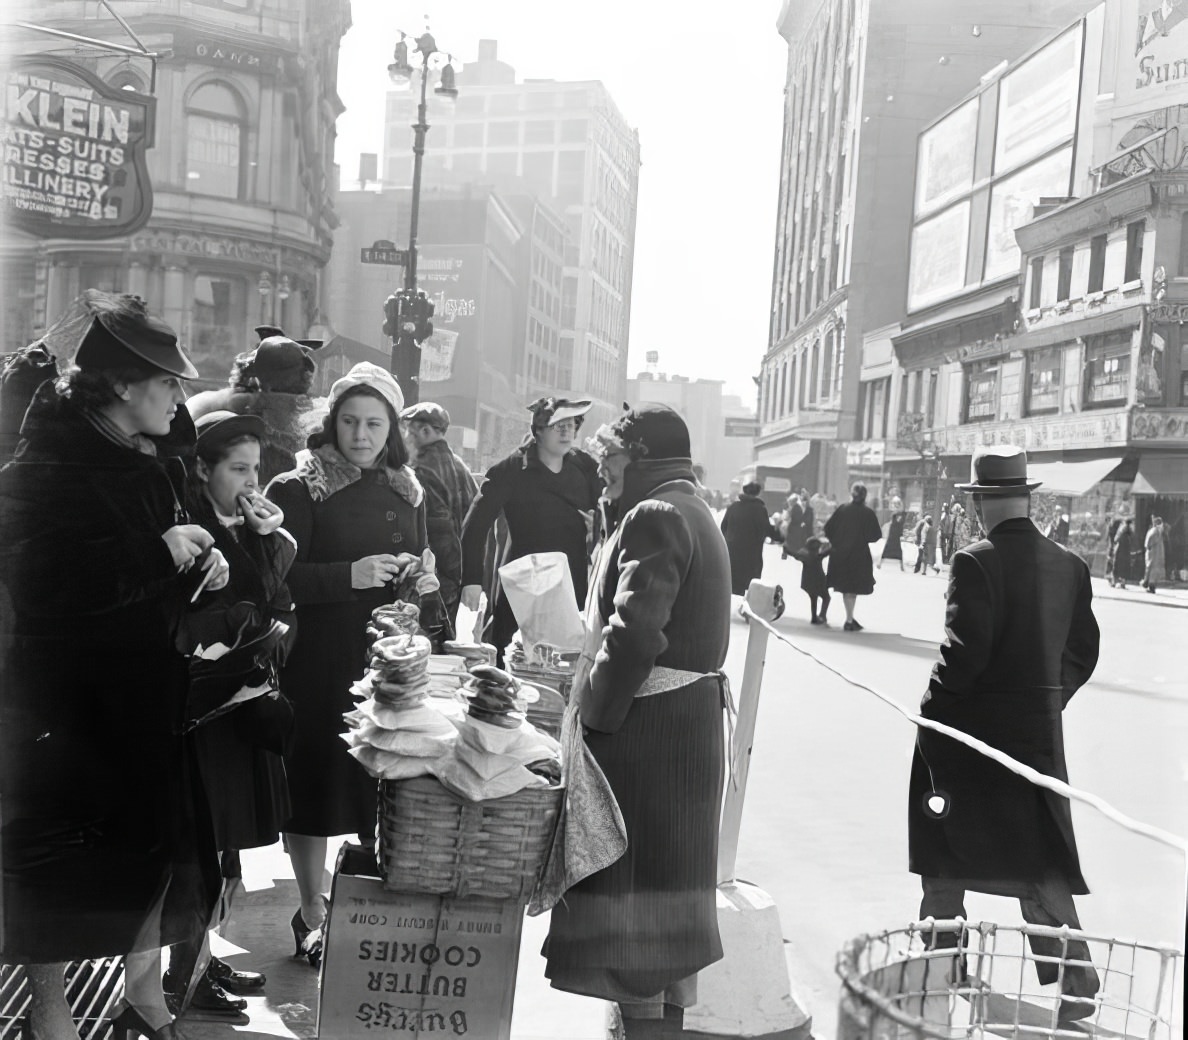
913, 983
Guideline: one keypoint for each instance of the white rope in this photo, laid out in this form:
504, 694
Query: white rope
1025, 771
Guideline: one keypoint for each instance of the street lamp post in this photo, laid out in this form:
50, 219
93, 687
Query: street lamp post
408, 311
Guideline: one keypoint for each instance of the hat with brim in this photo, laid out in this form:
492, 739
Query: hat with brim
999, 469
128, 339
215, 428
548, 411
312, 344
265, 331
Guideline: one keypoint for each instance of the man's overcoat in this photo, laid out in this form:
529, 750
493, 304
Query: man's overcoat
1021, 640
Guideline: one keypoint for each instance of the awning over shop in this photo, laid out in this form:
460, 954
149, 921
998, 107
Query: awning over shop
1071, 478
1161, 475
785, 456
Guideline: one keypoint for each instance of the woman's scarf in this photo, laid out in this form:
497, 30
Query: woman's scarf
136, 442
325, 472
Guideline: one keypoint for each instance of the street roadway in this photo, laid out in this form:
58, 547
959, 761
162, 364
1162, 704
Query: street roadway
824, 827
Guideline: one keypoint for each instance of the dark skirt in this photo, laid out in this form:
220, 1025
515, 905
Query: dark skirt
650, 919
330, 792
245, 785
893, 546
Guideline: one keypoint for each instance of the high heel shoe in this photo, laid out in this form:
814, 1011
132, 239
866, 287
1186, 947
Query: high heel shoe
130, 1023
307, 942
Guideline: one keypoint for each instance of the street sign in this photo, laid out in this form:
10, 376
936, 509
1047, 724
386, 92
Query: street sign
741, 426
384, 255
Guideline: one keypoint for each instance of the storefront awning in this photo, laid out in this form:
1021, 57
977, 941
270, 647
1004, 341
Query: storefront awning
1161, 475
1071, 478
785, 456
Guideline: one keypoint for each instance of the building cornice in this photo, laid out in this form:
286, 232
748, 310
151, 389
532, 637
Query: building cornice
1077, 220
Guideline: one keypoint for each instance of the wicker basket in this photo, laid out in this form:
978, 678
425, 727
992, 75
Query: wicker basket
434, 841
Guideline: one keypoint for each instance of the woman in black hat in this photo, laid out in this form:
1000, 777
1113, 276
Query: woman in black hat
239, 750
547, 491
106, 835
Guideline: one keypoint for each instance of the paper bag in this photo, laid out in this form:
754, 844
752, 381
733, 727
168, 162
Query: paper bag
540, 590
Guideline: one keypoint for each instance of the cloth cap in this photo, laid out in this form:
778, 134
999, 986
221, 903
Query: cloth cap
751, 488
998, 469
655, 431
277, 355
124, 335
378, 379
427, 412
548, 411
215, 428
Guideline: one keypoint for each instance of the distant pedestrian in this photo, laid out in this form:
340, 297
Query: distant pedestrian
810, 516
1022, 640
746, 527
449, 486
1059, 528
1112, 529
795, 532
1155, 548
926, 546
1124, 552
893, 544
850, 530
812, 576
945, 532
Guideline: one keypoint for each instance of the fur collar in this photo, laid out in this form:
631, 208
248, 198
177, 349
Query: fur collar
325, 472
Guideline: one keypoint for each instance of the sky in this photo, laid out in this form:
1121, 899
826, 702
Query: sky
702, 81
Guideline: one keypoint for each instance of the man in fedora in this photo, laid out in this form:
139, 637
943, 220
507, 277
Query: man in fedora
449, 486
1021, 640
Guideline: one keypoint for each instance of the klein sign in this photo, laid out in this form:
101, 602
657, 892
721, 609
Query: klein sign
74, 152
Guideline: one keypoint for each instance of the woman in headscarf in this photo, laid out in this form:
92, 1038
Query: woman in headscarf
746, 527
649, 695
357, 512
107, 841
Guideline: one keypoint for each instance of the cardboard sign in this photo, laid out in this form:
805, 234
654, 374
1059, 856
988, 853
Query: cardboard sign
408, 965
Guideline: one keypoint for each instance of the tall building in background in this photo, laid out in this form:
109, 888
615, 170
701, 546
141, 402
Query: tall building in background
864, 77
568, 143
241, 169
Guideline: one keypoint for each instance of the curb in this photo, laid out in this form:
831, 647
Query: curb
1156, 600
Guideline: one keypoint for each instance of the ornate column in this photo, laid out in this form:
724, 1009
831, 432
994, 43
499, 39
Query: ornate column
138, 280
174, 308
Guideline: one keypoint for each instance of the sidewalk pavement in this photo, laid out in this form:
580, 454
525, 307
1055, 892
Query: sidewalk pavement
259, 939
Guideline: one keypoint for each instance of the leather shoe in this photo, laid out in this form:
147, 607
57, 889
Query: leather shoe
233, 980
210, 1001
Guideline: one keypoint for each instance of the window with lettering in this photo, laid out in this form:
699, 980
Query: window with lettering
981, 396
214, 132
1043, 380
1107, 369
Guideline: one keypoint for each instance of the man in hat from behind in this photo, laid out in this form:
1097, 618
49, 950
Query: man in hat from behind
449, 486
547, 491
1021, 640
648, 695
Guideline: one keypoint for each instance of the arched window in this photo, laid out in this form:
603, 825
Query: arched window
127, 78
214, 141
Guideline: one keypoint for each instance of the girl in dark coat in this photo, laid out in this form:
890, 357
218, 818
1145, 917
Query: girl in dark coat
747, 527
239, 751
107, 841
850, 530
1124, 549
357, 512
812, 576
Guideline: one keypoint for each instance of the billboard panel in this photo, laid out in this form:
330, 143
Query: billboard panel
1012, 201
1037, 102
451, 359
945, 163
1153, 54
939, 249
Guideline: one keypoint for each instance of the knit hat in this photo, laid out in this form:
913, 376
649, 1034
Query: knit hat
378, 379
